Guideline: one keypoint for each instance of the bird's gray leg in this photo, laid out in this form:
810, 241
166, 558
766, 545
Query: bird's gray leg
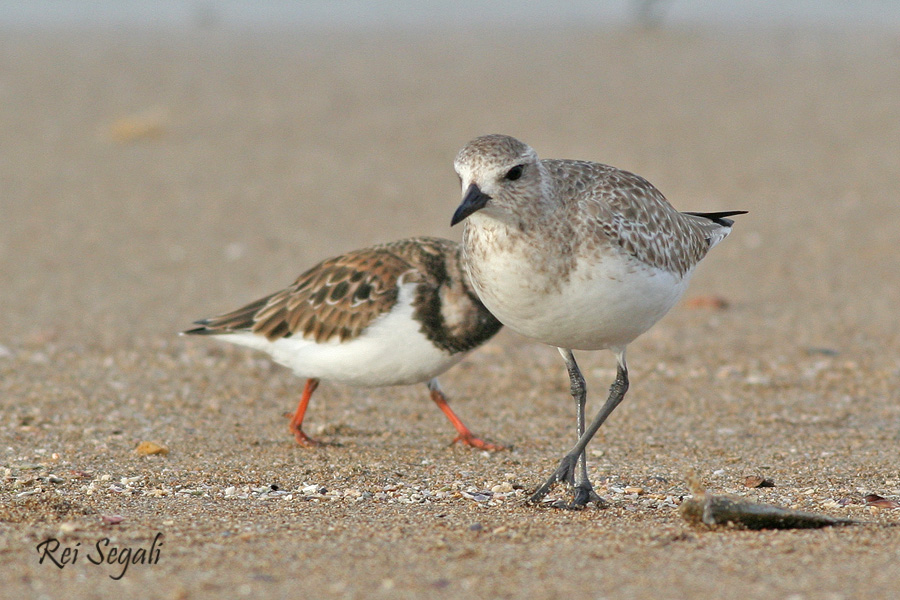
567, 466
584, 491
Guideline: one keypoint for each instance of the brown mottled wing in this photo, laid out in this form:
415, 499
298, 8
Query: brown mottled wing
336, 299
632, 214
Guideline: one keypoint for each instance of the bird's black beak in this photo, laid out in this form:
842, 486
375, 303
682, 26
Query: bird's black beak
473, 201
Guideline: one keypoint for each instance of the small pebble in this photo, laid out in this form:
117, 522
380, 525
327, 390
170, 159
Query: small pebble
67, 527
755, 481
112, 519
477, 496
149, 448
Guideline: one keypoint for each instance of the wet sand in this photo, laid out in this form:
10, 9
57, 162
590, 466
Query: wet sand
152, 179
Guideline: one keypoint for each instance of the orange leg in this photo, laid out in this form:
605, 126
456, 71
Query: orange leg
296, 425
464, 435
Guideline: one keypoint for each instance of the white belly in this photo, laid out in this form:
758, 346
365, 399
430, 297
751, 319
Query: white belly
604, 304
391, 351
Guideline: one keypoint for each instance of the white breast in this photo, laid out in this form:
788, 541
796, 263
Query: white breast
605, 301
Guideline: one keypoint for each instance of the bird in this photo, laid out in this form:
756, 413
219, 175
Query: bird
397, 313
578, 255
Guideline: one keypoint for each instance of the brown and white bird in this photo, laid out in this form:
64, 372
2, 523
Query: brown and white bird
393, 314
578, 255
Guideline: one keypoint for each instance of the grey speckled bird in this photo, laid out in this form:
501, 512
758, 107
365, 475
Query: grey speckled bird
578, 255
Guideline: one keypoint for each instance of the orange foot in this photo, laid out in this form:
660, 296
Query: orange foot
296, 425
304, 440
470, 440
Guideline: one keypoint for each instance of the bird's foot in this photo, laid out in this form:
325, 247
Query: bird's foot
564, 473
583, 495
304, 440
582, 492
470, 440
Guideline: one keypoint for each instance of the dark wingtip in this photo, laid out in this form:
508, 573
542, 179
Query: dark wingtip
202, 330
719, 217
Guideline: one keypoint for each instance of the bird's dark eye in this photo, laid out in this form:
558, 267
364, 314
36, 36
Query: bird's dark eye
514, 173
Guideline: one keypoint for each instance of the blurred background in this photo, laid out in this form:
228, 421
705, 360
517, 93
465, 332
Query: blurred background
166, 161
369, 13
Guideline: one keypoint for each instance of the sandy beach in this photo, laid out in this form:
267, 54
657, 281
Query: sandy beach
154, 178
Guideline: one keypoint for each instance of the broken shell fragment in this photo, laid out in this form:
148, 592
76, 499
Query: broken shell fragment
880, 502
755, 481
148, 448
